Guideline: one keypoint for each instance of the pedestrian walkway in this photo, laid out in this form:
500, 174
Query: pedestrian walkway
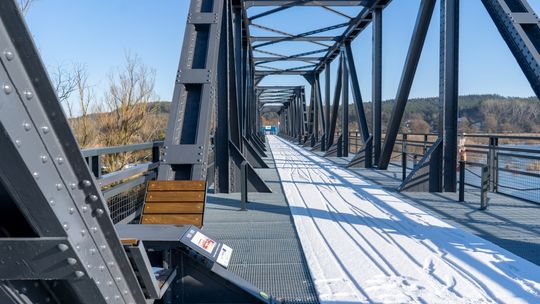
365, 245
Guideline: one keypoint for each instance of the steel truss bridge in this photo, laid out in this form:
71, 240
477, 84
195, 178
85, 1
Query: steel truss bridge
58, 242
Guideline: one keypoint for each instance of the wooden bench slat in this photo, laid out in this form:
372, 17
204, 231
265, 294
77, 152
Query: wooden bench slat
169, 208
176, 186
175, 196
173, 219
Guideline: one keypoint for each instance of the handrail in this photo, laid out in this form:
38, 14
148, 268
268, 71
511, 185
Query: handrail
121, 149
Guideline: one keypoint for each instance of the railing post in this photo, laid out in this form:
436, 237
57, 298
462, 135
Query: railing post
404, 156
243, 186
340, 146
425, 143
461, 180
493, 163
95, 165
484, 187
155, 154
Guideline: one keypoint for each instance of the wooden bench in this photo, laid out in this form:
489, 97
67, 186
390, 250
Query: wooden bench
175, 202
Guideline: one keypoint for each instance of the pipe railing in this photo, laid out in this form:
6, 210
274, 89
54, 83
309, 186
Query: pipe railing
513, 161
124, 189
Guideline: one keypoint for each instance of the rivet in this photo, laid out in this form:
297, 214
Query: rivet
65, 225
44, 158
84, 209
18, 143
92, 251
117, 297
118, 279
73, 186
99, 212
29, 95
7, 88
59, 187
52, 202
125, 291
45, 129
94, 229
71, 210
111, 264
79, 273
83, 232
93, 197
9, 55
63, 247
24, 290
102, 247
27, 126
60, 160
71, 261
86, 183
109, 283
102, 268
35, 175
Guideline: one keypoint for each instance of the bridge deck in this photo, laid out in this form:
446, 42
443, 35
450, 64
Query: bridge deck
365, 244
267, 251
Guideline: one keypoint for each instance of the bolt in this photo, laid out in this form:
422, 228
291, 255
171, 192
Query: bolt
9, 55
71, 261
63, 247
7, 89
29, 95
99, 212
79, 273
93, 197
86, 183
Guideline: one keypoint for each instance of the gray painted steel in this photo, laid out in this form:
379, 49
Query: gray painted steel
48, 194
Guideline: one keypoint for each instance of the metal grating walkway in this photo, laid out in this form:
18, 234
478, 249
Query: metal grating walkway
267, 251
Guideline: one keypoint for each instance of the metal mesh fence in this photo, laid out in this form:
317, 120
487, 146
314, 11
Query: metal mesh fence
126, 203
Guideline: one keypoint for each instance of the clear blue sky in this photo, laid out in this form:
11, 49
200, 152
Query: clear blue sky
99, 33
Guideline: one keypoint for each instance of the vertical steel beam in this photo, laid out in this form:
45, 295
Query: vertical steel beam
187, 138
320, 102
315, 104
345, 110
411, 63
376, 84
335, 108
449, 90
326, 106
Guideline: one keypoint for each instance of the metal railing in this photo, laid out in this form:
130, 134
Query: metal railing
124, 189
513, 161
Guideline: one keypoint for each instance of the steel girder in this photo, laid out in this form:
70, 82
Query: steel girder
409, 70
215, 75
519, 26
54, 218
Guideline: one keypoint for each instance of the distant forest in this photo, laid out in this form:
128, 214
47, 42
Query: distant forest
477, 113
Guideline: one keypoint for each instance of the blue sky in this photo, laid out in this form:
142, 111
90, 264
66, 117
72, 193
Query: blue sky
98, 34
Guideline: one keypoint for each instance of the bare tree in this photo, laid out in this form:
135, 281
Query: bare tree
24, 6
82, 125
125, 109
65, 84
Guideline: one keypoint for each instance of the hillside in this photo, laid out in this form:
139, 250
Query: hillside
478, 113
